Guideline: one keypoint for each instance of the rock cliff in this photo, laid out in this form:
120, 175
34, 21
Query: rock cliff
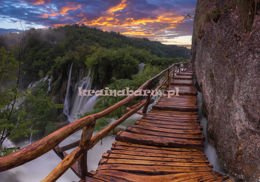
226, 58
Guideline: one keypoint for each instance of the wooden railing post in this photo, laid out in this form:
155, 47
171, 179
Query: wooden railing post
84, 144
74, 156
147, 103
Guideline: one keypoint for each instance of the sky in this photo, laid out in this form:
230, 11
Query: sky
167, 21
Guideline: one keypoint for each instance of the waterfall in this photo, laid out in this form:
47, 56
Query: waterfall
49, 84
36, 83
66, 109
8, 144
82, 104
75, 106
141, 67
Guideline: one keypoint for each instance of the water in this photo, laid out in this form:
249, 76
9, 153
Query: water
39, 168
76, 106
141, 67
66, 107
82, 104
35, 84
49, 84
209, 149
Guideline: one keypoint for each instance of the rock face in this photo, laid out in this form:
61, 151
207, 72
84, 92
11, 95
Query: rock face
226, 58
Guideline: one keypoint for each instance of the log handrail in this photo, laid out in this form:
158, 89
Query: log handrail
49, 142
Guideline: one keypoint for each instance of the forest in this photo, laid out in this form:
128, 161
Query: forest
35, 76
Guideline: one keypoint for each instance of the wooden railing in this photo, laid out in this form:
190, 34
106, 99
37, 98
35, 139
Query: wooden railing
77, 159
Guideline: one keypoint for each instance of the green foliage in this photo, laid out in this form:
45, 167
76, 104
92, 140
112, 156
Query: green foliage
101, 123
39, 110
8, 66
133, 83
7, 151
34, 116
112, 63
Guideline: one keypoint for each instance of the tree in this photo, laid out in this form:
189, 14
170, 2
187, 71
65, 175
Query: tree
8, 67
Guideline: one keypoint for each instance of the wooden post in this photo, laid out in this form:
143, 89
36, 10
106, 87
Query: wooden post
147, 103
84, 145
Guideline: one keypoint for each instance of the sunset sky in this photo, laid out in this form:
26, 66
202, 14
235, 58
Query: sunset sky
167, 21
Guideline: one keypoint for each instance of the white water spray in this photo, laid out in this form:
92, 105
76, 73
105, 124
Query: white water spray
66, 109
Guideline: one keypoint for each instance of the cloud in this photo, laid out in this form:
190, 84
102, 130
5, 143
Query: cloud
119, 7
153, 19
39, 2
70, 7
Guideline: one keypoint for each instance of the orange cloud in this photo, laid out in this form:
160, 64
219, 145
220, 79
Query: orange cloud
121, 6
59, 25
63, 11
40, 2
154, 27
143, 27
138, 34
72, 7
45, 15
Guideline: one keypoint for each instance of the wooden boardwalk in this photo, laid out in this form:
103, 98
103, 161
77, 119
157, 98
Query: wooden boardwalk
165, 145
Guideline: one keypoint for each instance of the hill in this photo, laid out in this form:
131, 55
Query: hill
44, 50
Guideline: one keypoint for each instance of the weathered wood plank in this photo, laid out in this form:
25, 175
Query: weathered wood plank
157, 178
172, 126
149, 158
149, 151
133, 145
141, 153
170, 135
168, 130
157, 141
182, 82
153, 163
169, 122
154, 169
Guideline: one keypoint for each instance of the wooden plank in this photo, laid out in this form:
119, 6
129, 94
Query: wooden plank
154, 169
148, 151
154, 178
174, 108
182, 82
171, 135
157, 141
162, 128
153, 163
183, 119
183, 77
149, 158
169, 122
172, 126
140, 153
172, 113
126, 144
